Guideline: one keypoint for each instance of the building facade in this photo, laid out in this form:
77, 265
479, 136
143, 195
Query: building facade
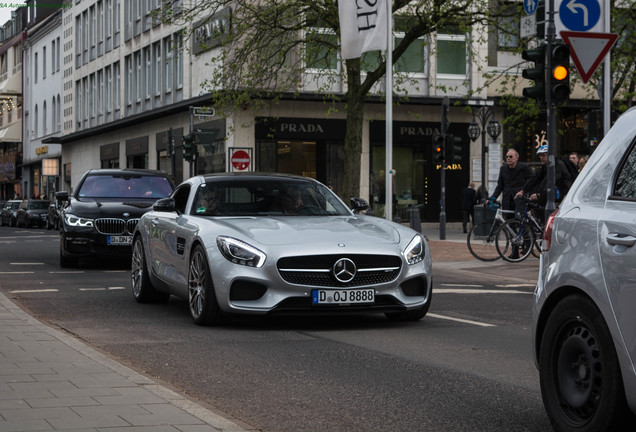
131, 87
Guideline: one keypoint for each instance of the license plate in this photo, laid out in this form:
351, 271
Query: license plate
350, 296
119, 240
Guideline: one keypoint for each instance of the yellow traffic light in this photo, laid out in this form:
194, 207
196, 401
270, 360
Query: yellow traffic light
560, 73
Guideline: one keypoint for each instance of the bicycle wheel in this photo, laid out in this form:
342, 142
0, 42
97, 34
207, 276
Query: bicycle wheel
481, 241
514, 240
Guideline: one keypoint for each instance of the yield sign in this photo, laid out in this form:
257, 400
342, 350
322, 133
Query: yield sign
588, 50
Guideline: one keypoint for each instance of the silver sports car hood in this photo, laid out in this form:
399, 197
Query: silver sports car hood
288, 229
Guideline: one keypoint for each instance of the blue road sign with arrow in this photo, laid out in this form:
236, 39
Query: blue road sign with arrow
530, 6
579, 15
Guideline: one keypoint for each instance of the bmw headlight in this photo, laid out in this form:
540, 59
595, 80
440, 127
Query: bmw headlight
414, 252
239, 252
76, 221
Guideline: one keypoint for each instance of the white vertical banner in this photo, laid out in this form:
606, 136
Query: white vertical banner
363, 26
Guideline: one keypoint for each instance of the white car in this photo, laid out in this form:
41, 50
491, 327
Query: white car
584, 317
274, 243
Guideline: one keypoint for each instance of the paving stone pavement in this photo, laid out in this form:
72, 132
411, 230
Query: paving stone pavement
50, 381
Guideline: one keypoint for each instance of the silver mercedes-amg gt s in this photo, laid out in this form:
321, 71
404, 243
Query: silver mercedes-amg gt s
275, 243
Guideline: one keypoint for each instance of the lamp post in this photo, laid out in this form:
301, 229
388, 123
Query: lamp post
493, 128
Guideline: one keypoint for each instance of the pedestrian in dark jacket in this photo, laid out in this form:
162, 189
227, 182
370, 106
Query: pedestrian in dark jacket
468, 205
512, 176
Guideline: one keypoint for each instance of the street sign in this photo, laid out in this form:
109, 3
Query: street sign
588, 50
203, 112
530, 6
240, 159
528, 26
579, 15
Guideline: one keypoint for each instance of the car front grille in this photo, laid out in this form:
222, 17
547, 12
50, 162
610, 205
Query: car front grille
115, 226
317, 270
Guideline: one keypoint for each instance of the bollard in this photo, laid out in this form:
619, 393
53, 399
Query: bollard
414, 216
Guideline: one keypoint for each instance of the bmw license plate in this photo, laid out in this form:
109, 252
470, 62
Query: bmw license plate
119, 240
343, 296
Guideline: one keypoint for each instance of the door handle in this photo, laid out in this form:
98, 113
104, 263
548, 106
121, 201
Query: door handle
616, 239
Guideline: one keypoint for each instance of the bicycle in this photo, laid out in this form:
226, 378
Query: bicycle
481, 238
517, 239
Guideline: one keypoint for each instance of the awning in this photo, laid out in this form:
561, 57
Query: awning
12, 133
12, 85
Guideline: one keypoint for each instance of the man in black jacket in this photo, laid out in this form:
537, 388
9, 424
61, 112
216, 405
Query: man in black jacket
512, 176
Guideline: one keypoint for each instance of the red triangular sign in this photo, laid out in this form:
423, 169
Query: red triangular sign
588, 50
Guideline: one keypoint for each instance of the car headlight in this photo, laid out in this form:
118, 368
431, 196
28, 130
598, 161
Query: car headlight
76, 221
414, 252
239, 252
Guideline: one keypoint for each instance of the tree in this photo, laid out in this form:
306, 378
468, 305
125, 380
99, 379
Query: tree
264, 54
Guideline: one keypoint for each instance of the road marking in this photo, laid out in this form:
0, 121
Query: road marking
33, 291
517, 286
17, 272
460, 320
102, 289
477, 291
462, 285
26, 263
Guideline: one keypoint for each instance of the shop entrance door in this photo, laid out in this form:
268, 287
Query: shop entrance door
297, 157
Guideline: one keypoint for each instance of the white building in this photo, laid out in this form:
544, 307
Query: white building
42, 107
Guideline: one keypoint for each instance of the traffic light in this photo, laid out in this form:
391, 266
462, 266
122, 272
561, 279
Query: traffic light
536, 73
560, 73
453, 149
438, 148
189, 147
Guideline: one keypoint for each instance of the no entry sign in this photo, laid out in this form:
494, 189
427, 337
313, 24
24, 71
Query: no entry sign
240, 160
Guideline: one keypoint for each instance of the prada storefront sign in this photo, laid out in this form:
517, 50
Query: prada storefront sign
299, 128
406, 132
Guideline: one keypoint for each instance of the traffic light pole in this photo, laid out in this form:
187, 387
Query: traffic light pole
550, 114
442, 212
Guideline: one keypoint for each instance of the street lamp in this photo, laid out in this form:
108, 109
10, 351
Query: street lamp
493, 128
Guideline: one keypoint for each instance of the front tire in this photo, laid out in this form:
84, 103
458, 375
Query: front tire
580, 376
514, 240
204, 308
414, 314
142, 289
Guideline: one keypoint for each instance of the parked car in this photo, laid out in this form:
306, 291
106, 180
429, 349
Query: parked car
8, 213
583, 321
53, 215
275, 244
32, 212
98, 219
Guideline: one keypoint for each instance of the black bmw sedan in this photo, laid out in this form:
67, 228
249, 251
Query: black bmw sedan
98, 219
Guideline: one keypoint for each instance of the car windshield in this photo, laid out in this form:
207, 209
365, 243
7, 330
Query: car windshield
275, 197
38, 205
124, 186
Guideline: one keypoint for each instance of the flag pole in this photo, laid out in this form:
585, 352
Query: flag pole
388, 196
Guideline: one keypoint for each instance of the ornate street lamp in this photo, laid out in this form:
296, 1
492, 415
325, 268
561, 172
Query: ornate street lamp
493, 128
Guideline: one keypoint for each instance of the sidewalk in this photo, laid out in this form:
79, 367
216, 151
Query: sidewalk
50, 381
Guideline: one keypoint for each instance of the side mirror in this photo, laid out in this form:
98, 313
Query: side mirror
165, 205
358, 205
61, 196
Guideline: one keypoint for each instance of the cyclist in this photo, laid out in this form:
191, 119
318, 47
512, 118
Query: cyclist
537, 186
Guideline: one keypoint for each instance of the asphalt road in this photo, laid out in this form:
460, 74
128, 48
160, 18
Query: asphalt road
467, 366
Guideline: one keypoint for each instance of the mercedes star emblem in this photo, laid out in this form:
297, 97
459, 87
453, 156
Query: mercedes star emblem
344, 270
